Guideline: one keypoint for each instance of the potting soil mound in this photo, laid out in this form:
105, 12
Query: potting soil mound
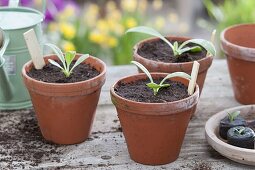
53, 74
138, 91
161, 51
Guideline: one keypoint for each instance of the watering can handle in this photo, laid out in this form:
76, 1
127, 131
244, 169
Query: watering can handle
5, 45
15, 4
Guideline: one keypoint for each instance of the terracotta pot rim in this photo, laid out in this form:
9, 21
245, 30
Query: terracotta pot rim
195, 95
24, 73
236, 50
137, 45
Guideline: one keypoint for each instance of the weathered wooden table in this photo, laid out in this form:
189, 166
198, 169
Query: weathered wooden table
21, 144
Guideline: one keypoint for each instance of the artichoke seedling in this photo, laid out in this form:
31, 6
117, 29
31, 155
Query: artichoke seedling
177, 48
66, 59
231, 120
154, 86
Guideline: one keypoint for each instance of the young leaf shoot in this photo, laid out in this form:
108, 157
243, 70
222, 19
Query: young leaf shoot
176, 48
66, 60
154, 86
233, 115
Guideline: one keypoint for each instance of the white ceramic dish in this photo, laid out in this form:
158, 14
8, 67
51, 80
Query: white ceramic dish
241, 155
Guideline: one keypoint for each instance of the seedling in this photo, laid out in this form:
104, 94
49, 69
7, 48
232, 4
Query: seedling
177, 48
239, 130
66, 60
233, 115
154, 86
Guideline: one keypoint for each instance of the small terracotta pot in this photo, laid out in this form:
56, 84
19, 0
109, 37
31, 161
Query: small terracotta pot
65, 112
238, 44
157, 66
154, 132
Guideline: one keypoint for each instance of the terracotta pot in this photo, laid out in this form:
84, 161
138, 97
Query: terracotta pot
154, 132
65, 112
157, 66
238, 44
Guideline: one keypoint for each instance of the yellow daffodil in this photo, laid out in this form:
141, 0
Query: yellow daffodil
130, 22
102, 25
53, 26
110, 5
114, 15
112, 42
90, 15
129, 5
119, 29
67, 12
160, 22
68, 46
97, 37
68, 30
142, 5
157, 4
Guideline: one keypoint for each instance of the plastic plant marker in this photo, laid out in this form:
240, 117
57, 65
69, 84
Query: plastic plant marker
192, 82
34, 49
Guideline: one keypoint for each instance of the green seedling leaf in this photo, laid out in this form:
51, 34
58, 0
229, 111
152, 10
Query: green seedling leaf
150, 31
141, 67
207, 45
55, 64
154, 86
233, 115
80, 60
58, 52
192, 49
239, 131
176, 74
69, 58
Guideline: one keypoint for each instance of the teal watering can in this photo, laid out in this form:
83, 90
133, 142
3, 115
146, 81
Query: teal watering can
14, 21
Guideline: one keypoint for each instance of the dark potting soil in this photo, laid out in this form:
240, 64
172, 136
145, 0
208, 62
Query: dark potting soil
21, 142
138, 91
160, 51
53, 74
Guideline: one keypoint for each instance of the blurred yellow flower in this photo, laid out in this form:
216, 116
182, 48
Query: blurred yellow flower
97, 37
67, 12
53, 26
142, 5
68, 30
68, 46
160, 22
129, 5
112, 42
93, 9
119, 29
111, 5
130, 22
102, 25
173, 17
114, 15
90, 15
157, 4
38, 3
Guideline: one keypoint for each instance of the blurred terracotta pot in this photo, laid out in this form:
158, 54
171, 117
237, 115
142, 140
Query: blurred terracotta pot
65, 112
154, 132
238, 44
157, 66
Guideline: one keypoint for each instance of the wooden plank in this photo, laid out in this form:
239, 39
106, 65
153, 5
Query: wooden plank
106, 147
